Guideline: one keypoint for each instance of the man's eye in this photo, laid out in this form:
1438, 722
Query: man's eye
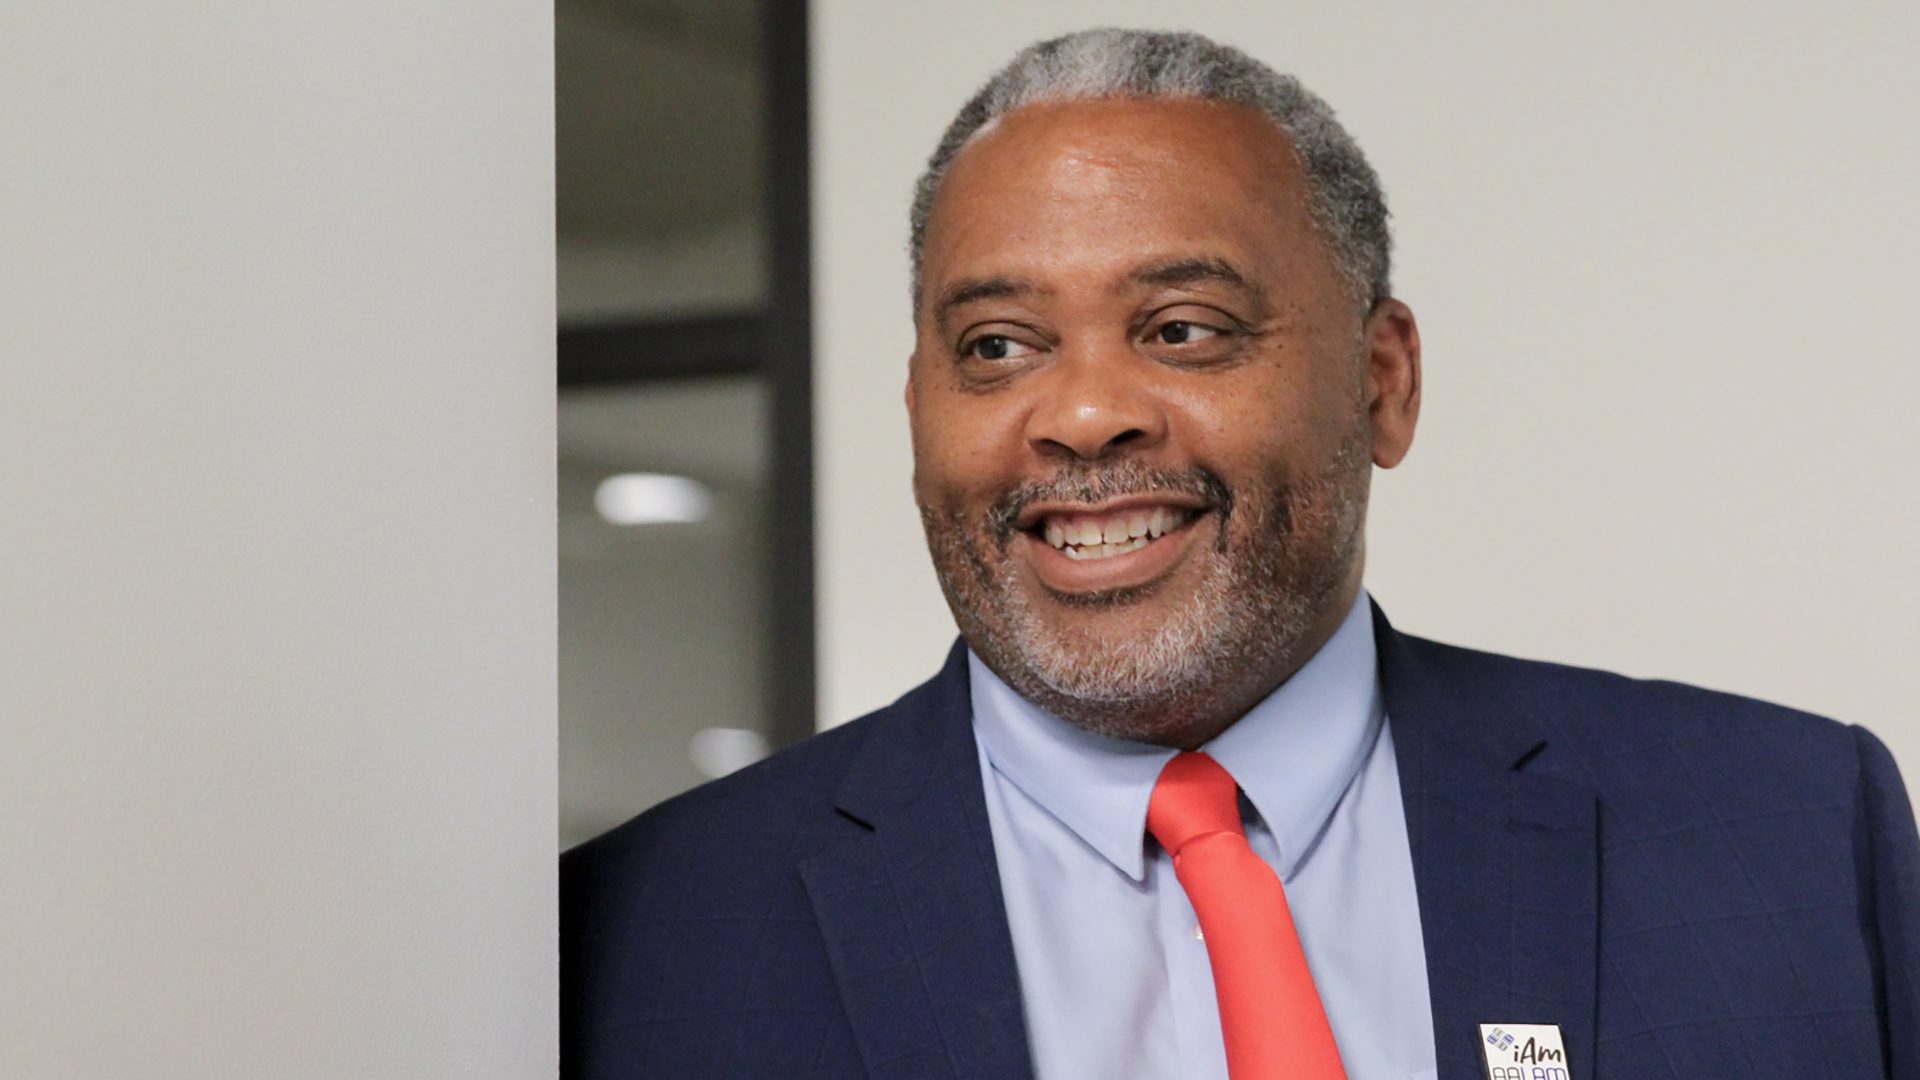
996, 347
1182, 333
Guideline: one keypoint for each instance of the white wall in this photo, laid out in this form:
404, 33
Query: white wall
276, 540
1664, 259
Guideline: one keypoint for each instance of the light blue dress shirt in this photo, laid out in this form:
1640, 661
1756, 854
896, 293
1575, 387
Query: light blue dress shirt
1114, 975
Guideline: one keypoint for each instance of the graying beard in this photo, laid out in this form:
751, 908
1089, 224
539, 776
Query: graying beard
1166, 679
1158, 681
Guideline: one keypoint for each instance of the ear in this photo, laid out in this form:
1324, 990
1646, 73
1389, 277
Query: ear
1393, 380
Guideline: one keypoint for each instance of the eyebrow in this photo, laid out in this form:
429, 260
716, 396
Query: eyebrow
1173, 272
1193, 271
968, 291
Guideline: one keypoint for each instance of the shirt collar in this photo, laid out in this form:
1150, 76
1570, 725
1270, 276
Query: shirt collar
1294, 754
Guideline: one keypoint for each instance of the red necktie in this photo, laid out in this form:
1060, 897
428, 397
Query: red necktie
1270, 1014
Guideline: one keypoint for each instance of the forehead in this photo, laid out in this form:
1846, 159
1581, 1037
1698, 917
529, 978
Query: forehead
1103, 185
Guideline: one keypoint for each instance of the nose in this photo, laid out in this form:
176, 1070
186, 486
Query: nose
1095, 404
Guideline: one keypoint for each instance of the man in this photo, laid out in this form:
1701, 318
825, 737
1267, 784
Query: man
1183, 803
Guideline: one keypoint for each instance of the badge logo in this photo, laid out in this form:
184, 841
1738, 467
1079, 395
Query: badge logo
1523, 1052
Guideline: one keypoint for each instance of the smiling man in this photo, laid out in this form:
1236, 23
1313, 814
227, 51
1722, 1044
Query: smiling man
1183, 803
1146, 397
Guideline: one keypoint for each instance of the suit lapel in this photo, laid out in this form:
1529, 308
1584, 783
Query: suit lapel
1505, 858
910, 909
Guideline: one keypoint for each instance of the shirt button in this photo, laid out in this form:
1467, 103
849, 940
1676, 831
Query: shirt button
1197, 935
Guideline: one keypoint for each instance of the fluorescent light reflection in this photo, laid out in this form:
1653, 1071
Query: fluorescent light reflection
717, 751
652, 499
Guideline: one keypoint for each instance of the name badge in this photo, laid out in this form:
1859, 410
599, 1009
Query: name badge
1523, 1051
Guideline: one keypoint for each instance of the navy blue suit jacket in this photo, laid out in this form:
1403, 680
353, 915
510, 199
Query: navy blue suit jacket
1692, 885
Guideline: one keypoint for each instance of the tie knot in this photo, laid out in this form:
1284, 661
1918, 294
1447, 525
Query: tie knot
1193, 797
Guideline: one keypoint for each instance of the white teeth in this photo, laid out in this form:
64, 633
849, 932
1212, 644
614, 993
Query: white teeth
1087, 539
1104, 551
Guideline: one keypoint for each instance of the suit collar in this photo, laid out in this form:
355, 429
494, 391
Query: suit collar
1505, 856
906, 744
910, 907
1473, 717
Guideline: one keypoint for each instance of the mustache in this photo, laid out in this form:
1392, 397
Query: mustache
1092, 483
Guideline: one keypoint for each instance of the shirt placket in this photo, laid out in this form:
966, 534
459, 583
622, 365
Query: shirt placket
1196, 1012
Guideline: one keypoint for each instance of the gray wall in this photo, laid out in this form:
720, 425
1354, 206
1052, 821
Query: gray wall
1662, 255
276, 540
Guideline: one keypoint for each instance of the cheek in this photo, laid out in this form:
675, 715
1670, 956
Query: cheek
1242, 428
1272, 419
964, 446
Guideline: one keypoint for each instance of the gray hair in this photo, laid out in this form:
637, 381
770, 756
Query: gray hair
1343, 192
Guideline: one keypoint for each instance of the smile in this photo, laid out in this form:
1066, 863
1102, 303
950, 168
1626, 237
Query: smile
1102, 536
